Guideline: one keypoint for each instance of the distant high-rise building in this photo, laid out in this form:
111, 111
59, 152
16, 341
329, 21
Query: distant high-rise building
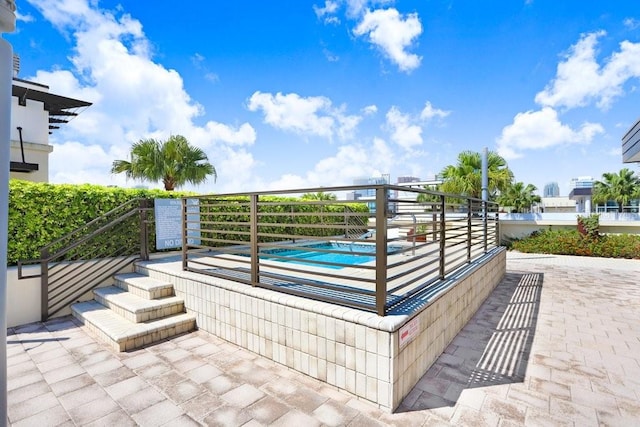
403, 179
551, 190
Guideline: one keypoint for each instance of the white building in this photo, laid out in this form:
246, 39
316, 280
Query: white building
581, 190
35, 113
631, 144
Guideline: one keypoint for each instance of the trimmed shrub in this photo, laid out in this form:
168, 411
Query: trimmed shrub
572, 242
40, 213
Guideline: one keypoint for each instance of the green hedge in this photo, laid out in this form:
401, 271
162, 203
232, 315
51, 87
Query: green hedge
571, 242
40, 213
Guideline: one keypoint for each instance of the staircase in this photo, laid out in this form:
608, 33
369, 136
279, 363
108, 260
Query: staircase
137, 311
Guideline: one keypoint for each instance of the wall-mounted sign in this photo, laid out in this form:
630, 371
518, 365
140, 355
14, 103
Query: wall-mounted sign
409, 331
168, 213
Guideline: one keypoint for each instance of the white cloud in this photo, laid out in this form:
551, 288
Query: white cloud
356, 8
393, 34
347, 125
428, 112
403, 132
219, 132
326, 12
331, 57
198, 62
349, 163
534, 130
134, 97
406, 129
23, 18
631, 23
370, 109
580, 79
313, 115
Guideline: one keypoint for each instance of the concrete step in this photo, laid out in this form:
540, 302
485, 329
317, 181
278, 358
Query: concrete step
124, 335
143, 286
135, 308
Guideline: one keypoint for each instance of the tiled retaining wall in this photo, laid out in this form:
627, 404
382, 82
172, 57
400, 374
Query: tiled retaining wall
441, 320
353, 350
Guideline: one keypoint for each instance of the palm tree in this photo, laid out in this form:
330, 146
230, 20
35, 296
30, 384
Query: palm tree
466, 176
173, 161
621, 188
320, 195
519, 197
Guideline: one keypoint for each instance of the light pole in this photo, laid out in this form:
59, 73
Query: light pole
7, 25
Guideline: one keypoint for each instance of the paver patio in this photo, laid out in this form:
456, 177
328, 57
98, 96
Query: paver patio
557, 343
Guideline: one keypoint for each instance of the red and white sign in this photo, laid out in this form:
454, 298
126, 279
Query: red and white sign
409, 331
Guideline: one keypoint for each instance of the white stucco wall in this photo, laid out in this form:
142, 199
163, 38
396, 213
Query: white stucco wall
33, 153
34, 121
23, 297
521, 225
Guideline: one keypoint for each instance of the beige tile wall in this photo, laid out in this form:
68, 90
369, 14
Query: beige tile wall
440, 322
349, 349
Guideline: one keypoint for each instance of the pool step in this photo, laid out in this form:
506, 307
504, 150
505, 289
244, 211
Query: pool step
137, 311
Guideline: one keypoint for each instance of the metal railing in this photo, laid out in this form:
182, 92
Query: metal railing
334, 251
78, 262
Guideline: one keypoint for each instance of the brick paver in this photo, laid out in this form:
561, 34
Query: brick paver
557, 343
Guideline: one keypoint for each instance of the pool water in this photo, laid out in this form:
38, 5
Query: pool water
299, 254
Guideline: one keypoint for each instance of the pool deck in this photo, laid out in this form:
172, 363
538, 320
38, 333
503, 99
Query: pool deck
556, 343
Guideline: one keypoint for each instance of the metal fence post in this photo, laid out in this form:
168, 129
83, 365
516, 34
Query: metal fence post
144, 233
44, 284
434, 228
381, 250
185, 256
485, 218
443, 235
469, 215
253, 243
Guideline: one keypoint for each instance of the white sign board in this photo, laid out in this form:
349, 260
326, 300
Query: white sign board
409, 331
168, 214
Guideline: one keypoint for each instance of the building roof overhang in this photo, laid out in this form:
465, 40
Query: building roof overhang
56, 105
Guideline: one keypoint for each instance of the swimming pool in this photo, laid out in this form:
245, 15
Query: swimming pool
307, 255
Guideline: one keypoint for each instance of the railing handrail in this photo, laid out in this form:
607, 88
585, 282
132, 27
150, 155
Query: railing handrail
245, 244
84, 239
62, 283
338, 189
92, 222
75, 243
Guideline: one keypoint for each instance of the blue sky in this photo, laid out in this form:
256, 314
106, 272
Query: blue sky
290, 94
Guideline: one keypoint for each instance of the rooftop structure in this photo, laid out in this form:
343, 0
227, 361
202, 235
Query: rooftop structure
581, 189
35, 113
631, 144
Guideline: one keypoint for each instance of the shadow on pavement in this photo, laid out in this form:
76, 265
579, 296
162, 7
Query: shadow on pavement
492, 349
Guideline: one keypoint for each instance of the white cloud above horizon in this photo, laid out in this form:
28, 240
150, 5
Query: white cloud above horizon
406, 129
393, 34
306, 116
133, 98
389, 31
581, 80
536, 130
